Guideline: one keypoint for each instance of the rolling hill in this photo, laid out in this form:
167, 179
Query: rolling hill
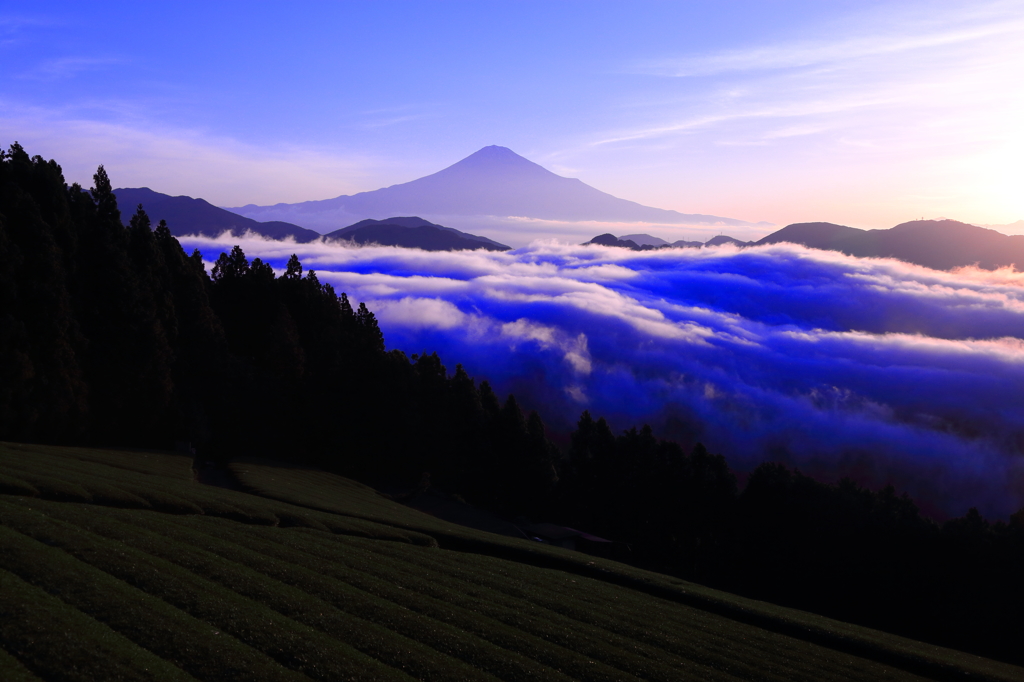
188, 216
121, 565
185, 216
938, 244
648, 243
494, 181
413, 232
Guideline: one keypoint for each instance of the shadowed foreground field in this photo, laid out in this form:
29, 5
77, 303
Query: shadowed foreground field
118, 565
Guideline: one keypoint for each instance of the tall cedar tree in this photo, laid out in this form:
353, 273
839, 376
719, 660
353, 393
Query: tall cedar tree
112, 335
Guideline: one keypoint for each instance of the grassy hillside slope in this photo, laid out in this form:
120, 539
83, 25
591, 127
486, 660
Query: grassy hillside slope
118, 565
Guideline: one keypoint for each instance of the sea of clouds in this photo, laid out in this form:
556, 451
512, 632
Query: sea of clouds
873, 368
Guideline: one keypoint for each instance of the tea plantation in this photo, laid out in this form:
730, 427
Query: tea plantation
118, 565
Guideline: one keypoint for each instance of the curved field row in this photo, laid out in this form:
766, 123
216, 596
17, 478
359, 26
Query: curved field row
103, 578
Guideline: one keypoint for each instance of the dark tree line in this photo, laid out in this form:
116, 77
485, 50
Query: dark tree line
113, 335
839, 549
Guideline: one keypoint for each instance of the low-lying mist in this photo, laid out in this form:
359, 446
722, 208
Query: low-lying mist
876, 369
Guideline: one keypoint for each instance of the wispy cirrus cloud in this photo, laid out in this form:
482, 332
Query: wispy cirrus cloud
869, 70
386, 117
13, 27
68, 67
864, 118
390, 121
995, 22
138, 153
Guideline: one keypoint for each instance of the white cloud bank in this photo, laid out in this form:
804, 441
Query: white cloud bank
868, 367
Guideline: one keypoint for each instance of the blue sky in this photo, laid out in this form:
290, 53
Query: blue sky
863, 113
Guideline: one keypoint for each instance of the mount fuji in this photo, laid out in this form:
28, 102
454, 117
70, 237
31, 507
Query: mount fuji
492, 190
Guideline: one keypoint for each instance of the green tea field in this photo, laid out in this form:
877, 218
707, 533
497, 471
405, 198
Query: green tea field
118, 565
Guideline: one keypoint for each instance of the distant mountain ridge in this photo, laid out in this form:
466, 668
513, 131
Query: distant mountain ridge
644, 239
1016, 227
188, 216
494, 181
648, 244
937, 244
413, 232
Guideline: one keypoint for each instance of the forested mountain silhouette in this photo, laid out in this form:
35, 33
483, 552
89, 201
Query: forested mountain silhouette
113, 335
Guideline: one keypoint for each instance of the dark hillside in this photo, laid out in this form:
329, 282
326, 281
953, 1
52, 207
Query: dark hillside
116, 564
938, 244
837, 549
113, 335
413, 221
609, 239
413, 233
825, 236
185, 215
624, 243
946, 244
724, 239
404, 221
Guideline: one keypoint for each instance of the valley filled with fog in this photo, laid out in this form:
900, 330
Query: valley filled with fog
872, 368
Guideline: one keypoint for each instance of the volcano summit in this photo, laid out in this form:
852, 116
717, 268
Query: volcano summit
494, 187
